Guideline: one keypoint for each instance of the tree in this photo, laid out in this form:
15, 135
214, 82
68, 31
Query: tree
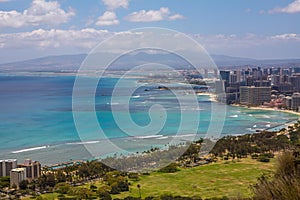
139, 188
4, 181
60, 176
62, 188
83, 193
23, 185
50, 180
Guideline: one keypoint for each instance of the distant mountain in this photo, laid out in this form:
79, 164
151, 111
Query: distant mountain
49, 63
73, 62
229, 61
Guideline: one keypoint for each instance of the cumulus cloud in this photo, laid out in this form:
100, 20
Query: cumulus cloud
40, 12
176, 17
107, 19
152, 15
114, 4
293, 7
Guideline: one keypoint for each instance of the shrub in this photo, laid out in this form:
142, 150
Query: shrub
171, 168
134, 176
285, 184
262, 158
131, 198
104, 195
254, 156
93, 188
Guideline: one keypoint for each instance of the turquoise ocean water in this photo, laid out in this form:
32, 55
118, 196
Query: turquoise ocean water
36, 119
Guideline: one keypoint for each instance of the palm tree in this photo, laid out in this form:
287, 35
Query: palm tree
139, 188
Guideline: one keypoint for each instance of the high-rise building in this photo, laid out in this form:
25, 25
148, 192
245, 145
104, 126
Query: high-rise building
16, 176
288, 102
6, 166
257, 74
254, 96
275, 80
249, 81
262, 83
33, 169
225, 76
296, 101
295, 81
233, 78
238, 74
285, 88
296, 70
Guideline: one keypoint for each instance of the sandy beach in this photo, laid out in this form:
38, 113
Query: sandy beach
212, 97
267, 108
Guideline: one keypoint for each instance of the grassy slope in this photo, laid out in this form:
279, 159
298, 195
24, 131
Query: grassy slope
213, 180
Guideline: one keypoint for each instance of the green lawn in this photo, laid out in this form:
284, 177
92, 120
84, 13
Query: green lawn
213, 180
219, 179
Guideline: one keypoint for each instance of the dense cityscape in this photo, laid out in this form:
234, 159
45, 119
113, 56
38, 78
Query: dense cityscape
268, 87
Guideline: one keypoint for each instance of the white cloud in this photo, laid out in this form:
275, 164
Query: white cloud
40, 12
107, 19
176, 17
252, 45
293, 7
152, 15
54, 38
114, 4
57, 41
4, 1
287, 36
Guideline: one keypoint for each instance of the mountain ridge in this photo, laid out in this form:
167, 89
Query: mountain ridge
73, 62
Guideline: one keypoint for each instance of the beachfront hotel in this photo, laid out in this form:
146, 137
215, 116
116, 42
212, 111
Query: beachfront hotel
33, 169
6, 166
16, 176
29, 171
254, 96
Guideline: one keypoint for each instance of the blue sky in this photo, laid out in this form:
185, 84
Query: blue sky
253, 28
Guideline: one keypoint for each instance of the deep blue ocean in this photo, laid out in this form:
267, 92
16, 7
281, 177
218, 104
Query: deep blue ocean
36, 119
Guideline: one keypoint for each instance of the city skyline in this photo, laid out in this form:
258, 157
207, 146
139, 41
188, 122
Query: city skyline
261, 30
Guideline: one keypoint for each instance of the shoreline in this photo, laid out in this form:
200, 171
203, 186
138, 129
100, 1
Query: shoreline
267, 109
212, 96
286, 125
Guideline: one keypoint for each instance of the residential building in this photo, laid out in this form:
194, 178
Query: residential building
296, 69
16, 176
295, 81
33, 169
254, 96
275, 79
288, 102
225, 76
6, 166
296, 101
